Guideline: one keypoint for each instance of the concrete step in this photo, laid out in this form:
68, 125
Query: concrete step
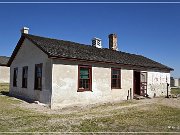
138, 97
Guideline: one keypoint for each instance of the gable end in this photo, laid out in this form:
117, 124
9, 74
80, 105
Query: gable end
18, 46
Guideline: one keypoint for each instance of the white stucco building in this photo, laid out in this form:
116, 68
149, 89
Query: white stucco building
177, 82
4, 70
63, 73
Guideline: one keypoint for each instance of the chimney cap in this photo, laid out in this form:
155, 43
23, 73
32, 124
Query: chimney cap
113, 34
25, 30
95, 38
113, 42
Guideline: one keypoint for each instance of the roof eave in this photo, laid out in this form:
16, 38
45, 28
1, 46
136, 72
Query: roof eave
103, 62
4, 65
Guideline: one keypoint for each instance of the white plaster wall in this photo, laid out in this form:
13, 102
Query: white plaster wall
176, 82
65, 85
157, 83
29, 55
4, 74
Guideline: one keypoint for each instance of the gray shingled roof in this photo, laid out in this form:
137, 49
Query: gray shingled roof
67, 49
4, 60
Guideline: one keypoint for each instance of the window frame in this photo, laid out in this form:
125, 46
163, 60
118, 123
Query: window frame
23, 78
90, 77
117, 69
15, 79
36, 78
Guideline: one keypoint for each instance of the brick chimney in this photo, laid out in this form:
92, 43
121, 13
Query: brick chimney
113, 42
25, 30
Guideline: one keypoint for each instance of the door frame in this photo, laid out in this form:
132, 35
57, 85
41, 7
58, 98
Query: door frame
135, 83
144, 84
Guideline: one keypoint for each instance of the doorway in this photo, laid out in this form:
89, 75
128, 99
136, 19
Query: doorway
140, 83
137, 82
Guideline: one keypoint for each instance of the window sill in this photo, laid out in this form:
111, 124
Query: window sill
115, 88
38, 89
83, 90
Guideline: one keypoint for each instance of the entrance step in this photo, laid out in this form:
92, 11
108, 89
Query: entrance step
138, 97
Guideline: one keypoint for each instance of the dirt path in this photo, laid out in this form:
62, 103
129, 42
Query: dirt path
172, 102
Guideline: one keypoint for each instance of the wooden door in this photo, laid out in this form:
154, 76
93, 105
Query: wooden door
143, 83
137, 82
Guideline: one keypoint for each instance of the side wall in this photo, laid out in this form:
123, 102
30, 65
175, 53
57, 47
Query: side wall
157, 83
176, 82
65, 85
29, 55
4, 74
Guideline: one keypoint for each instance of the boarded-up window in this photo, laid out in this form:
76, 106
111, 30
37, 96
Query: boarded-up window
24, 77
15, 77
38, 76
85, 78
115, 78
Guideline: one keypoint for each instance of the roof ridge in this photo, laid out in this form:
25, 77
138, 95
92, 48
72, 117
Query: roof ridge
55, 39
82, 44
79, 43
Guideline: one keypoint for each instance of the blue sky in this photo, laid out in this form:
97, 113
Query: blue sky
152, 30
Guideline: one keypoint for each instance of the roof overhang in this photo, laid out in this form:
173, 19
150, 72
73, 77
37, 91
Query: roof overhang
4, 65
114, 64
24, 36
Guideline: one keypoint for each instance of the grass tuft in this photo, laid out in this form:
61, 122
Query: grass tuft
175, 91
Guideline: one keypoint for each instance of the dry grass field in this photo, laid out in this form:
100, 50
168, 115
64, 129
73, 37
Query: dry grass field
175, 91
148, 115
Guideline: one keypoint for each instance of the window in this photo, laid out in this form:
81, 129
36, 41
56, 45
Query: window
15, 77
85, 78
116, 78
24, 77
38, 77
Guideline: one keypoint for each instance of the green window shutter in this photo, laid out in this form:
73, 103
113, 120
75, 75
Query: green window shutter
84, 73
